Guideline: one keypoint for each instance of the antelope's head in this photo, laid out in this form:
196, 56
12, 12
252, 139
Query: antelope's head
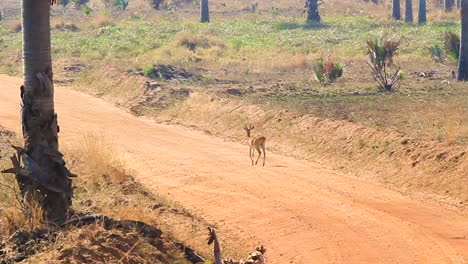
212, 236
248, 128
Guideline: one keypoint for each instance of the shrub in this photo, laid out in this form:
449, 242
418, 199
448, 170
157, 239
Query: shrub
148, 70
437, 53
64, 2
327, 71
380, 59
452, 45
156, 4
87, 10
80, 3
121, 4
254, 7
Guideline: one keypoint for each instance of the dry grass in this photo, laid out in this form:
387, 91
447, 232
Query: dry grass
101, 20
98, 162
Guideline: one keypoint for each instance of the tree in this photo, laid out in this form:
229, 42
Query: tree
448, 5
42, 176
313, 11
396, 12
409, 11
463, 60
204, 11
422, 17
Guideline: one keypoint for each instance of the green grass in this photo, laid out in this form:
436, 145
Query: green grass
345, 36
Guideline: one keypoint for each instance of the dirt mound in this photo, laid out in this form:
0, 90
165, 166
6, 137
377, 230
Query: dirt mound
22, 245
91, 239
170, 73
156, 97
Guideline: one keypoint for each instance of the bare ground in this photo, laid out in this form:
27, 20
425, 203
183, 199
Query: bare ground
302, 211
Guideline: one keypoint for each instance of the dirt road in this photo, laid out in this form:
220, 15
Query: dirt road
301, 211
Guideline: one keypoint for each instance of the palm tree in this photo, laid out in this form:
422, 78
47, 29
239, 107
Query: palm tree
44, 176
463, 60
396, 13
313, 11
422, 17
409, 11
204, 11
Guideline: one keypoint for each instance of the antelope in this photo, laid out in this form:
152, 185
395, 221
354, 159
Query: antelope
255, 143
216, 250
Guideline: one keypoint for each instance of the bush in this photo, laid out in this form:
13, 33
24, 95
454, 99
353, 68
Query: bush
87, 10
156, 4
80, 3
121, 4
148, 70
452, 45
327, 71
437, 53
380, 54
64, 2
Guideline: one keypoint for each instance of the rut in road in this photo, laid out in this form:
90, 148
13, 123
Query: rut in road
301, 211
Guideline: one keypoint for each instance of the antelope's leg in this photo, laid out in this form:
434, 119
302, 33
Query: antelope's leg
251, 154
264, 154
259, 154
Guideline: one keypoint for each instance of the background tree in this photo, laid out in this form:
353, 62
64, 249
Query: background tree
396, 12
463, 60
448, 5
204, 11
42, 175
409, 11
313, 11
422, 16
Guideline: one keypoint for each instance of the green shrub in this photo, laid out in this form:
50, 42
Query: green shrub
121, 4
148, 70
80, 3
156, 4
64, 2
87, 10
327, 71
380, 59
452, 45
437, 53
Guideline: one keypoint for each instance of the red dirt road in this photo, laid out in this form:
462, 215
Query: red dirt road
301, 211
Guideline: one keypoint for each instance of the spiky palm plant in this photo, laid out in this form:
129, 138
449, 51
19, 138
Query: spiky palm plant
380, 59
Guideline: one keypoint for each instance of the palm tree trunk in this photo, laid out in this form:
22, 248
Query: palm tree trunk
396, 13
313, 11
409, 11
204, 12
47, 178
448, 5
463, 60
422, 17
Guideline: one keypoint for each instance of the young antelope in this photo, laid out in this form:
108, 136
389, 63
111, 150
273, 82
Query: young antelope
255, 143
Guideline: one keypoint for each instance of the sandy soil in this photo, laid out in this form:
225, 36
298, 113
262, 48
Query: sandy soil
301, 211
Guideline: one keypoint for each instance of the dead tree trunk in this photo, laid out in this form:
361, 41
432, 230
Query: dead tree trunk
313, 11
204, 11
